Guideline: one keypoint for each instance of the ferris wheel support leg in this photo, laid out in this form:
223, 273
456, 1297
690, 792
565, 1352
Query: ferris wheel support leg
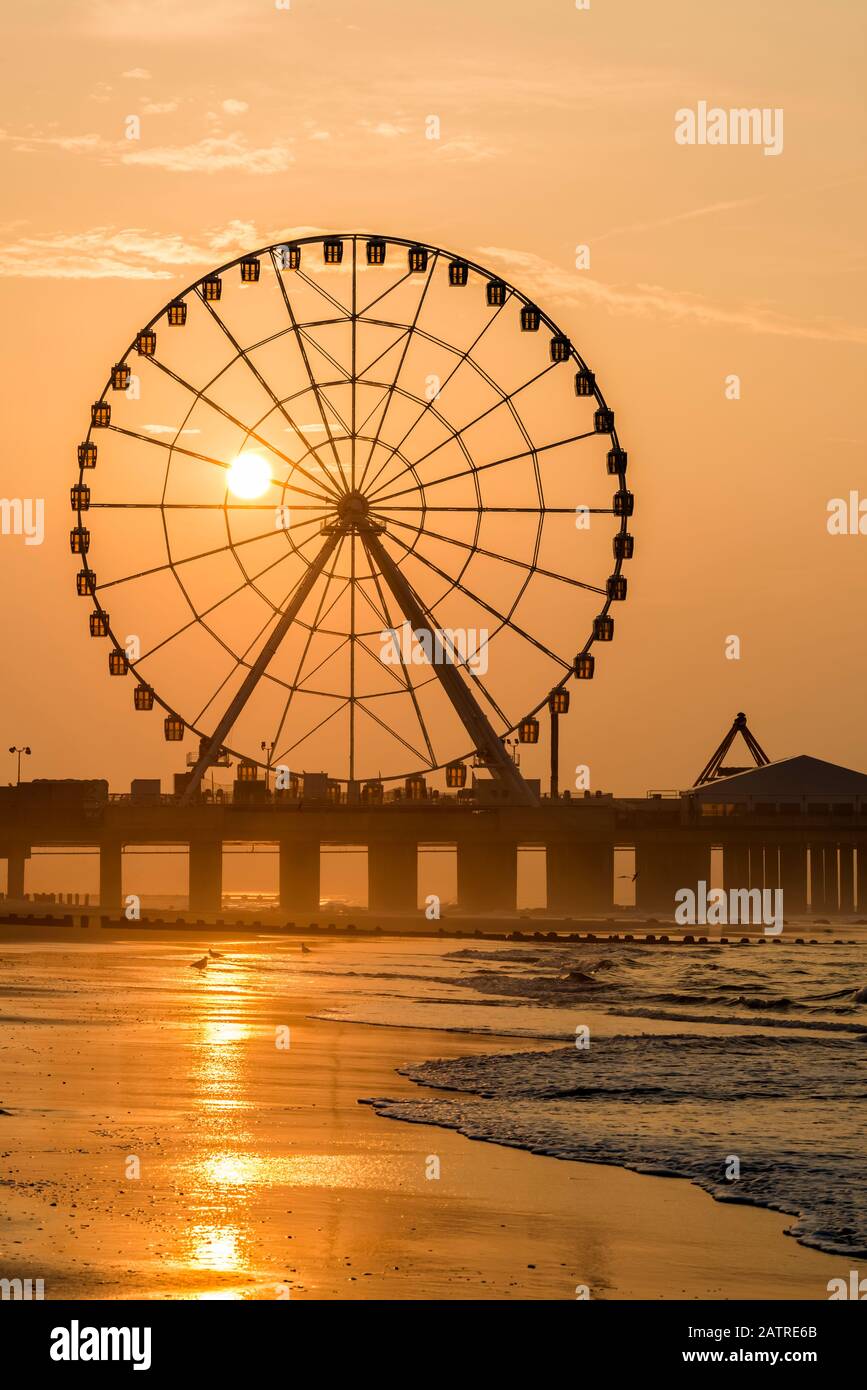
260, 665
473, 718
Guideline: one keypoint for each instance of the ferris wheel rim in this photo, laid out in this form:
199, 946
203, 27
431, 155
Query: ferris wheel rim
438, 253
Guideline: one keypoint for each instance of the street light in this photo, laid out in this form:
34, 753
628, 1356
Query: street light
24, 749
268, 748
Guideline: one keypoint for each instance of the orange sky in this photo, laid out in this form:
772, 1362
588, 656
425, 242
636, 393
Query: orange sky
557, 129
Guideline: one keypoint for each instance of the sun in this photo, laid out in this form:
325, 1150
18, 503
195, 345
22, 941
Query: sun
248, 476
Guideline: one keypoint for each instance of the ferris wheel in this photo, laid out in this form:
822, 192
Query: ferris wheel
352, 503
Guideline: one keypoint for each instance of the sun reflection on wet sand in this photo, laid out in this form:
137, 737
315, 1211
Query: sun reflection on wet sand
216, 1248
217, 1070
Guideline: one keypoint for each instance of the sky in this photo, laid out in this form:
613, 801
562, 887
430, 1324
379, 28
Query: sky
556, 131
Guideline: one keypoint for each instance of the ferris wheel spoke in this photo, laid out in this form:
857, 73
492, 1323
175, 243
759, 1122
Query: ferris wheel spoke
375, 361
221, 324
341, 645
315, 730
314, 625
335, 303
391, 390
200, 506
456, 434
341, 381
384, 513
416, 752
206, 612
239, 424
404, 279
354, 380
464, 357
506, 621
260, 665
194, 454
314, 386
454, 685
477, 681
201, 555
370, 414
494, 463
402, 676
238, 661
337, 597
505, 559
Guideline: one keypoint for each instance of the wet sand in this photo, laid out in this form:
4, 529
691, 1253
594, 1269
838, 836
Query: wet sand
262, 1176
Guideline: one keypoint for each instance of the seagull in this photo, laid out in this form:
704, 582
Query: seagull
199, 964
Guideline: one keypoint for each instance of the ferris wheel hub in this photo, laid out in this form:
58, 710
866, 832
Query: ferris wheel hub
353, 506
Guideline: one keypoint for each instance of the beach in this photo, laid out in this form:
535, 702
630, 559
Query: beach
165, 1136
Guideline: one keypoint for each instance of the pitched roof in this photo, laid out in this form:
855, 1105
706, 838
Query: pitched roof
787, 778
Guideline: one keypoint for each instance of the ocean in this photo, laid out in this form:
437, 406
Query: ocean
751, 1079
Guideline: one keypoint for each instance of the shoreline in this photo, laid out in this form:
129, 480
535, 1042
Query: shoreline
262, 1179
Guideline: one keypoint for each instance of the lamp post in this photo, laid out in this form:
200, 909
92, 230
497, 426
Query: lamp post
24, 749
268, 749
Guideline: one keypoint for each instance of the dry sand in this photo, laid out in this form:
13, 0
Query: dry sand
261, 1175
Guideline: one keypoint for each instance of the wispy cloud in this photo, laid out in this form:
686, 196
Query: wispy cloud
690, 215
214, 154
466, 150
73, 144
159, 108
387, 130
129, 253
678, 306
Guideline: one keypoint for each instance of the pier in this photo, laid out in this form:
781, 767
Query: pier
799, 824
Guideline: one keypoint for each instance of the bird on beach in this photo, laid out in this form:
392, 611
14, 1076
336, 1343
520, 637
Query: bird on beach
199, 964
305, 950
217, 955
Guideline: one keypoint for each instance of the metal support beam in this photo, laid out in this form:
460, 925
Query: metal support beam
473, 718
260, 665
714, 767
